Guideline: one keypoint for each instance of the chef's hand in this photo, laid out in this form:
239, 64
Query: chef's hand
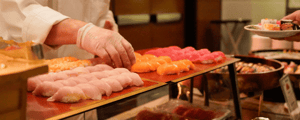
110, 46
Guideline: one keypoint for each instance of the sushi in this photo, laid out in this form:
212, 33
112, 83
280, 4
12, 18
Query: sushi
102, 86
90, 91
68, 94
47, 88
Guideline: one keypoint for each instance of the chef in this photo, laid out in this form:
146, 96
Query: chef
78, 28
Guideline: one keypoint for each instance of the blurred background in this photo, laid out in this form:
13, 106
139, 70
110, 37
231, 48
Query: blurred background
162, 23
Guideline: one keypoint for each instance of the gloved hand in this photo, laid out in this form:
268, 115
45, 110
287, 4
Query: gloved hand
110, 46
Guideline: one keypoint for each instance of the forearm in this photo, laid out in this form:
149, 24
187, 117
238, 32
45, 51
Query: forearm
65, 32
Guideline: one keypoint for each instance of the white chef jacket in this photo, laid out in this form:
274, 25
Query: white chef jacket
32, 20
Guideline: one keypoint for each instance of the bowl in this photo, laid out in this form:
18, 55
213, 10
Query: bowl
253, 82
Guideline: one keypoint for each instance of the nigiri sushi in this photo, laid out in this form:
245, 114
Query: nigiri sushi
205, 59
103, 87
99, 68
110, 72
88, 76
113, 83
81, 70
67, 82
122, 79
121, 70
47, 88
99, 75
141, 67
78, 80
168, 68
90, 91
68, 94
136, 79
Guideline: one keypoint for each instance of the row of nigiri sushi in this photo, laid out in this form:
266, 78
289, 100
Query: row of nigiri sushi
162, 64
66, 86
203, 56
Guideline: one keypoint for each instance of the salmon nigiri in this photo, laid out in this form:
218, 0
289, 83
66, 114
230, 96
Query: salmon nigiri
142, 67
168, 68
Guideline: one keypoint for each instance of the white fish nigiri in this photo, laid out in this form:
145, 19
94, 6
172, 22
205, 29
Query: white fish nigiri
90, 91
98, 68
136, 79
78, 80
121, 70
104, 67
81, 70
99, 75
58, 76
103, 87
88, 76
114, 84
47, 88
110, 72
32, 82
124, 80
70, 73
67, 82
68, 94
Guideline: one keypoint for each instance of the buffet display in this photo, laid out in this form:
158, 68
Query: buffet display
81, 82
277, 54
253, 74
274, 28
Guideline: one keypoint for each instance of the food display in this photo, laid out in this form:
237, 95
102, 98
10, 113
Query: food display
74, 82
277, 54
202, 56
253, 74
179, 109
247, 68
276, 29
291, 67
274, 24
162, 64
174, 60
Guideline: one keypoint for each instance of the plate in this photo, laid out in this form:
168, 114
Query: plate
272, 34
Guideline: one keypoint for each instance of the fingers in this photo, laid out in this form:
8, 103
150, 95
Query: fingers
105, 58
114, 55
130, 51
123, 54
295, 16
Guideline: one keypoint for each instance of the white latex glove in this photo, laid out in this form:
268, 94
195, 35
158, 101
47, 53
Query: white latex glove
110, 46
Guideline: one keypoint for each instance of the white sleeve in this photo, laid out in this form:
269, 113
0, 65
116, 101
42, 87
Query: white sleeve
28, 20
